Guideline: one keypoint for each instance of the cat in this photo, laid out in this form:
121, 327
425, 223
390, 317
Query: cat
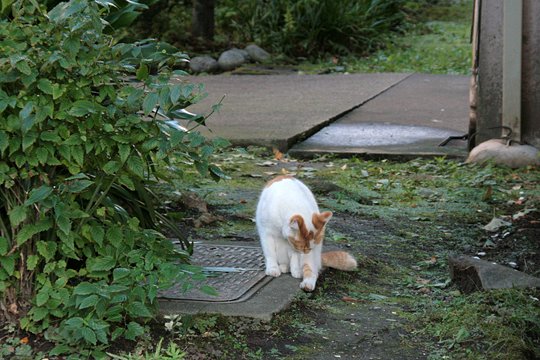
291, 231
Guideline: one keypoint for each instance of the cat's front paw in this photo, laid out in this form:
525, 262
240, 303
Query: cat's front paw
273, 271
284, 268
308, 285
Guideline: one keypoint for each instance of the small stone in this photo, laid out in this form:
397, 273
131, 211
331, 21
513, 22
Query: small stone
231, 59
205, 63
257, 54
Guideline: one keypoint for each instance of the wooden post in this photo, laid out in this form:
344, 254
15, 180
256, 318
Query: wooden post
511, 76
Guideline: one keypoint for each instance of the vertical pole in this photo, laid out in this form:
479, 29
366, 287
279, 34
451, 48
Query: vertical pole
511, 76
473, 85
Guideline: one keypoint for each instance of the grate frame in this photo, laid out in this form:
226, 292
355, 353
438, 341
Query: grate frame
236, 273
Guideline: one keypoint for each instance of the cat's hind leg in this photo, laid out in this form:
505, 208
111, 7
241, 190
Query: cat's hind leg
269, 246
283, 257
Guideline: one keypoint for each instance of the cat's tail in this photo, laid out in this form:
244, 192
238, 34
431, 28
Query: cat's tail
340, 260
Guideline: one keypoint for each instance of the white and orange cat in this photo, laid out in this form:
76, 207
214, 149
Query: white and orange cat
291, 230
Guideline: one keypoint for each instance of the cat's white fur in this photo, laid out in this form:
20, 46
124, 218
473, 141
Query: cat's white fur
287, 211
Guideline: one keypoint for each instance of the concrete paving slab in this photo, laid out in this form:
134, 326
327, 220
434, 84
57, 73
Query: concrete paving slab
278, 110
275, 296
410, 119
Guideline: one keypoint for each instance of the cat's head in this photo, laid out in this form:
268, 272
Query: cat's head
302, 239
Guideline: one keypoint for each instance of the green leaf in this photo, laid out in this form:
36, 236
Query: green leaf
150, 102
29, 139
138, 309
79, 186
111, 167
58, 91
89, 335
176, 92
78, 154
60, 350
64, 224
30, 230
4, 141
120, 273
47, 249
89, 302
124, 151
38, 194
23, 67
39, 313
82, 107
85, 288
8, 263
42, 297
103, 263
135, 164
32, 262
142, 72
98, 234
209, 290
134, 330
4, 246
17, 215
46, 86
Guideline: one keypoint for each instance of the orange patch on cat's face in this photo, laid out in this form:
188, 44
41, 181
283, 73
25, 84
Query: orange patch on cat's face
302, 241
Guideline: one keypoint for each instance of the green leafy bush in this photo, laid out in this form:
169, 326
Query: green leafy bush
314, 27
296, 28
81, 252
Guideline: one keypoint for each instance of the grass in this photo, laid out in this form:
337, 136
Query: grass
436, 42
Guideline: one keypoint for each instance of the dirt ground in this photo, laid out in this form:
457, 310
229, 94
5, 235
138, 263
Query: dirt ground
401, 220
402, 247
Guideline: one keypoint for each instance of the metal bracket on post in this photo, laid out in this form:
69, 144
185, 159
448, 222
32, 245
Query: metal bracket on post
511, 76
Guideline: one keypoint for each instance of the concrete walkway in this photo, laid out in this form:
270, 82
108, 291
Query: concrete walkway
393, 114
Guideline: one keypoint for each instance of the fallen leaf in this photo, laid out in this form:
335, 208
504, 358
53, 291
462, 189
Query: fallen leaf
278, 155
13, 309
495, 224
522, 213
266, 163
344, 167
349, 299
424, 290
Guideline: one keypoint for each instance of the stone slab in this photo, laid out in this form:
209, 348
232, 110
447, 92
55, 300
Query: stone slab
278, 110
411, 118
275, 296
471, 274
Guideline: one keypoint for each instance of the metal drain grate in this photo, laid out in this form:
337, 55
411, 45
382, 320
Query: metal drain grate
235, 271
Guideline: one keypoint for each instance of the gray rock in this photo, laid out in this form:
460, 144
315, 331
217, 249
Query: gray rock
472, 274
257, 54
500, 152
244, 53
231, 59
204, 63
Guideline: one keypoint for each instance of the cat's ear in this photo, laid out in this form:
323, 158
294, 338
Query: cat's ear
296, 222
319, 220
